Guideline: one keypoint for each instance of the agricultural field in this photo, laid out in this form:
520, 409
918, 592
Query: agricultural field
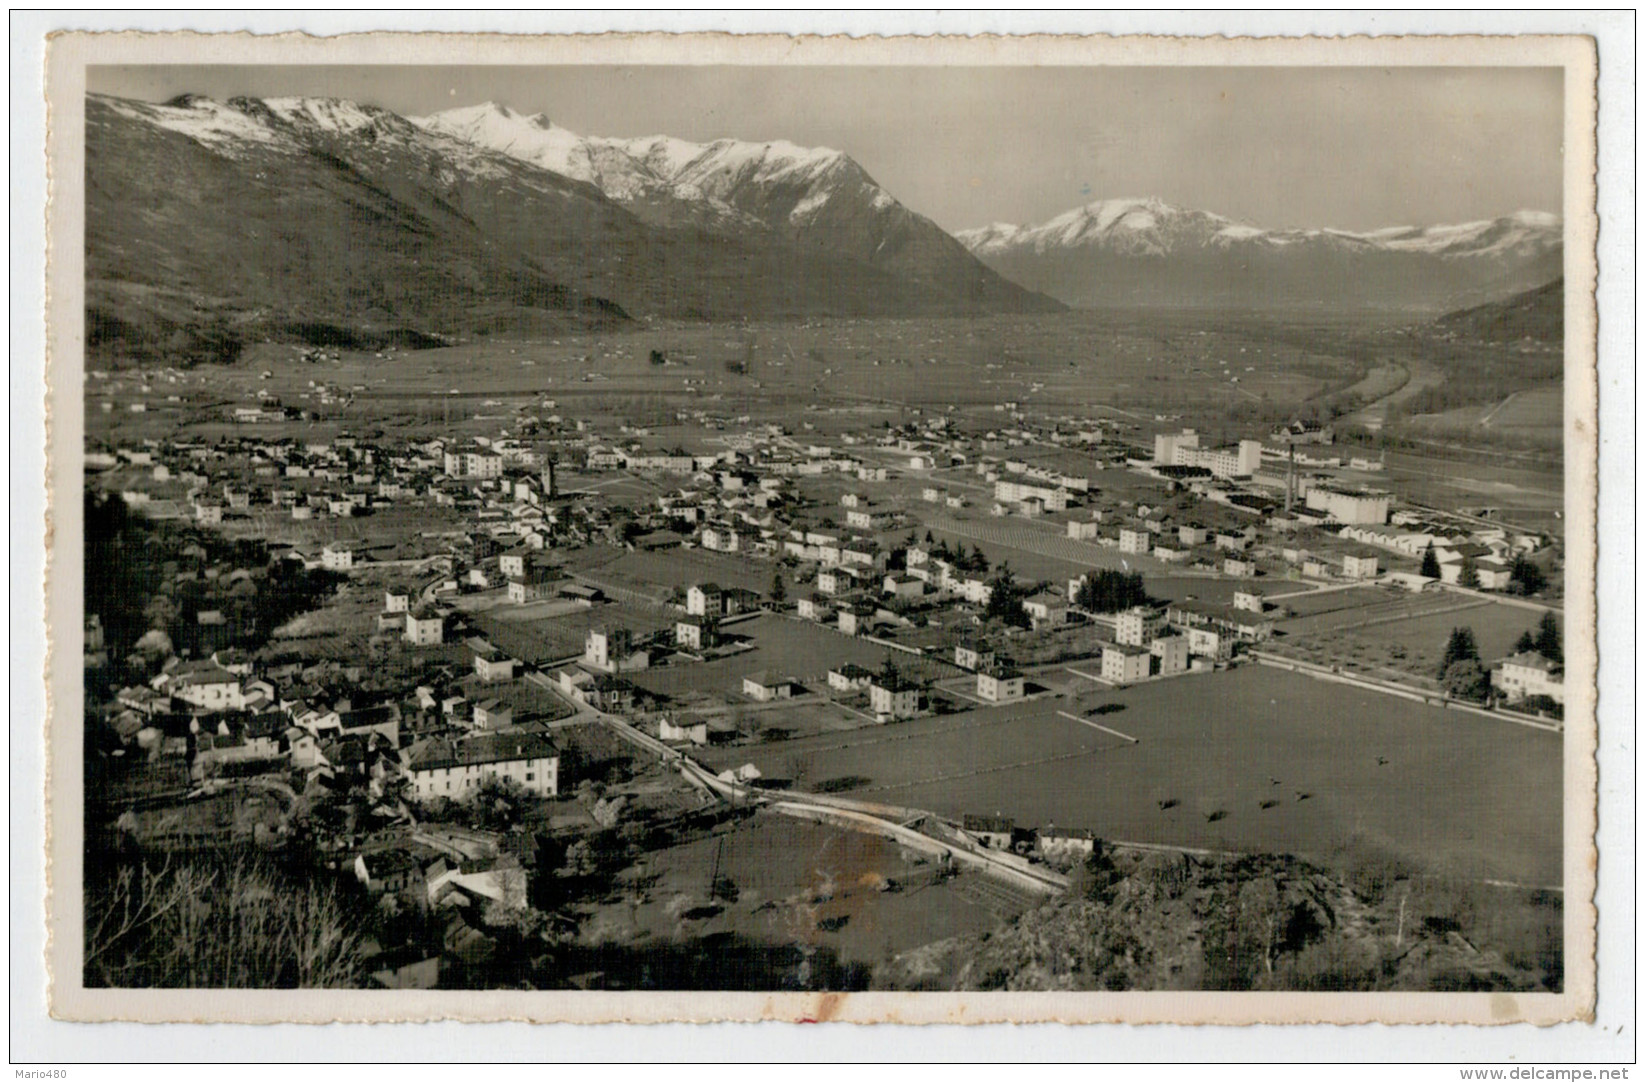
1449, 790
1410, 649
1335, 610
1536, 412
534, 638
1103, 360
844, 899
388, 533
800, 649
1496, 625
1354, 600
1035, 550
663, 572
1520, 492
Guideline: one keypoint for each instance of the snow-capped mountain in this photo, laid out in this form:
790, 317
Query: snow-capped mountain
263, 215
1146, 251
813, 197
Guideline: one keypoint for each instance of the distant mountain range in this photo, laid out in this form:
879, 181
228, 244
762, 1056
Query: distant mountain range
209, 223
1145, 252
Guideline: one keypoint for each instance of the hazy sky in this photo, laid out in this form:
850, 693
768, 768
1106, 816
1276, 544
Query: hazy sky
1352, 148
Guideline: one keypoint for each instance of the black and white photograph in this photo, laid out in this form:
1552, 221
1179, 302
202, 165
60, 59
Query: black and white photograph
558, 529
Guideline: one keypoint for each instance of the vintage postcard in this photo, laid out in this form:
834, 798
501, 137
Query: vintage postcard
694, 527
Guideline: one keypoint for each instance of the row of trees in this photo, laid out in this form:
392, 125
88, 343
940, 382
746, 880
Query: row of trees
966, 561
1546, 641
1110, 590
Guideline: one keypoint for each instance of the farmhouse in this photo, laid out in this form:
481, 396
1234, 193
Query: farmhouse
765, 687
493, 714
904, 586
694, 731
993, 832
857, 619
207, 686
1063, 843
534, 580
704, 600
1359, 566
387, 871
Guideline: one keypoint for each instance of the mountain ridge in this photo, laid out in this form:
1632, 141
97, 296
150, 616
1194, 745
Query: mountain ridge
209, 221
817, 198
1141, 250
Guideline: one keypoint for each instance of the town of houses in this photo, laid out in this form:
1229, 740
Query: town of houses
842, 525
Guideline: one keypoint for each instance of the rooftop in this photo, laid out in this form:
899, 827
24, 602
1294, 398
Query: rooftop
437, 752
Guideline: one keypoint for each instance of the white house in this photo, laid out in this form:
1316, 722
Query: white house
850, 677
704, 600
1213, 643
612, 650
695, 732
209, 687
1045, 610
1000, 683
1359, 566
893, 699
425, 628
697, 633
1172, 652
765, 687
1135, 540
492, 665
455, 769
1529, 674
1138, 625
1123, 665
